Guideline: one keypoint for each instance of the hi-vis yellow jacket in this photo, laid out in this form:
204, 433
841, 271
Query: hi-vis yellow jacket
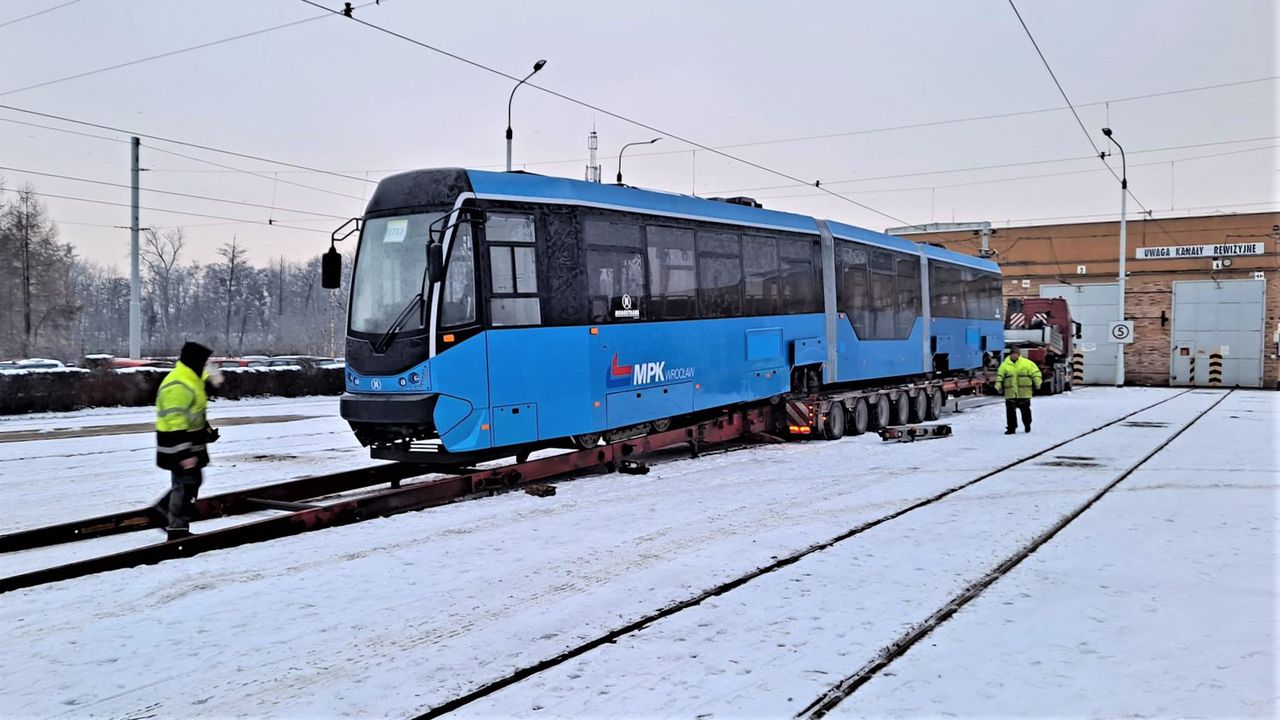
180, 420
1018, 380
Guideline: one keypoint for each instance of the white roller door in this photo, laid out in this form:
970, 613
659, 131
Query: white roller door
1095, 307
1218, 316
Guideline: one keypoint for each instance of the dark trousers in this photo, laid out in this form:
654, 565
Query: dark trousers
1011, 409
180, 504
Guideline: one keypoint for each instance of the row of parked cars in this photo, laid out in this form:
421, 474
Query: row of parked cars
32, 364
304, 362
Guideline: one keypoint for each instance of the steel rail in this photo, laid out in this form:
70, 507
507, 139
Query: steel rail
383, 503
235, 502
669, 610
841, 690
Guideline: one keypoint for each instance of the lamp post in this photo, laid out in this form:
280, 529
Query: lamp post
536, 67
624, 149
1124, 193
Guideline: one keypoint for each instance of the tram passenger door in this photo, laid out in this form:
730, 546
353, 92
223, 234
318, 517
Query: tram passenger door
458, 370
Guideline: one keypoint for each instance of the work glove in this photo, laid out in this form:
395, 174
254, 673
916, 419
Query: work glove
211, 434
214, 377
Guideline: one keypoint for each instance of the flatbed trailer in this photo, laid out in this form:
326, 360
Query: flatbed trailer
832, 414
826, 413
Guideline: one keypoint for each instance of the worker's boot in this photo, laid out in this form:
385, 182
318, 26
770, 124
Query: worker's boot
1027, 427
1010, 431
178, 533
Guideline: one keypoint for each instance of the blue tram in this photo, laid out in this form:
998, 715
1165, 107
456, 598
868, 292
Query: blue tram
504, 311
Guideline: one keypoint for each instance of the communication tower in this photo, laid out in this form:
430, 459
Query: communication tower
593, 168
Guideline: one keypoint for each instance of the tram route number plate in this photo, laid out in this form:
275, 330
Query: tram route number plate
1121, 332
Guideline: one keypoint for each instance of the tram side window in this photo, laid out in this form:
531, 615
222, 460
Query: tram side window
974, 292
673, 274
615, 271
995, 298
719, 275
946, 291
801, 285
460, 280
509, 228
883, 295
853, 296
907, 306
762, 276
989, 295
513, 270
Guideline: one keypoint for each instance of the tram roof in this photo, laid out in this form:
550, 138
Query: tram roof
529, 187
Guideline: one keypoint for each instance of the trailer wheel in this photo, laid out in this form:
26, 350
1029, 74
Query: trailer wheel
902, 409
919, 407
879, 407
860, 417
935, 405
833, 426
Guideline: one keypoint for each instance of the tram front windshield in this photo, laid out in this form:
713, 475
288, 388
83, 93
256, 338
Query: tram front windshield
389, 272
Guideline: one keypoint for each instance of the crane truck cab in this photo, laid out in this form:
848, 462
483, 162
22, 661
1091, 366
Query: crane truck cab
1044, 330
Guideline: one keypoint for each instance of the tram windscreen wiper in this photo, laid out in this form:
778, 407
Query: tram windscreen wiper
384, 342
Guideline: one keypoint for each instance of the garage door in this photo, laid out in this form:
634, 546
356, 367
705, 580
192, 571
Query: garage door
1224, 316
1094, 307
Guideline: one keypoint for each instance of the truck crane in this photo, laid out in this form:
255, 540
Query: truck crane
1044, 330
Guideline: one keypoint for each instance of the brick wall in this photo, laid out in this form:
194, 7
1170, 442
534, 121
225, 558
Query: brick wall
1148, 359
1053, 255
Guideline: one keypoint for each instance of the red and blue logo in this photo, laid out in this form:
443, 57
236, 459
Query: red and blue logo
644, 373
619, 375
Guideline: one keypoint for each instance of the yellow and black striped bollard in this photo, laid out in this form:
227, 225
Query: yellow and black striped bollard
1215, 369
1077, 368
1192, 379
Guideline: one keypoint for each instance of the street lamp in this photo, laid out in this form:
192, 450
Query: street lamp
624, 148
536, 67
1124, 192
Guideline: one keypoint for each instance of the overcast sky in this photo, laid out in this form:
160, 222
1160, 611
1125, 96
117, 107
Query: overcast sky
336, 95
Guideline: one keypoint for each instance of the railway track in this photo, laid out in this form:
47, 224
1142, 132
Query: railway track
899, 647
309, 504
825, 703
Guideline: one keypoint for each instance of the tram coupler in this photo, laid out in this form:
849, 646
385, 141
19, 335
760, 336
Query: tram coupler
911, 433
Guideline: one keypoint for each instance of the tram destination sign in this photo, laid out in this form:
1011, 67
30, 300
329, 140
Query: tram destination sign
1198, 251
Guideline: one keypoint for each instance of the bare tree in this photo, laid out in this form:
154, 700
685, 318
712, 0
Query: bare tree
51, 302
160, 254
233, 265
43, 267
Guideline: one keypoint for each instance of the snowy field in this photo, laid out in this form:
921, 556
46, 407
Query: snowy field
1159, 601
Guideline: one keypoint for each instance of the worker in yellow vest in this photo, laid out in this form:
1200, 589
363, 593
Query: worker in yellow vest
1018, 378
182, 433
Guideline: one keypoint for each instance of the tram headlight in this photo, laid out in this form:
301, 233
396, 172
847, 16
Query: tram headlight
414, 378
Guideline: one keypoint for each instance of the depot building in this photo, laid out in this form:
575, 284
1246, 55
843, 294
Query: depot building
1202, 293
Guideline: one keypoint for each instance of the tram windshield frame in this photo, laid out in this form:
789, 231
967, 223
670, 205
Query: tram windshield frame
390, 268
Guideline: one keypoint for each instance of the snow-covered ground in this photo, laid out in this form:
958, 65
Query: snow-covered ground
1170, 581
55, 480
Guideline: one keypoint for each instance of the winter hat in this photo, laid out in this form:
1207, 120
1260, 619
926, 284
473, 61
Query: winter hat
194, 355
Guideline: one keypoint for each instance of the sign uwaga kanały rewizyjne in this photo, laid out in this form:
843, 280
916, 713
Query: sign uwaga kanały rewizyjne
1198, 251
